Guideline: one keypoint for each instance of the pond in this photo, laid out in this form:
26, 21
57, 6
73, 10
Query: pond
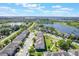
64, 28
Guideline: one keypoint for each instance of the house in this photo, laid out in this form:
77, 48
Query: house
40, 44
11, 48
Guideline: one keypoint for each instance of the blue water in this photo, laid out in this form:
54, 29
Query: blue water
64, 29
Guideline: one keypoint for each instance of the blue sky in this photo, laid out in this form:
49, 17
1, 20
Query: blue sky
41, 9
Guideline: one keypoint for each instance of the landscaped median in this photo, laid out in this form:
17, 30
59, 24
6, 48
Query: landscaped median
32, 26
10, 38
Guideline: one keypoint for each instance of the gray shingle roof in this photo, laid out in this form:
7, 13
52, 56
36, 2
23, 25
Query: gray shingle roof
39, 44
11, 48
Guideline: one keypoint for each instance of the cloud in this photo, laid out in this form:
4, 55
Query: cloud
56, 6
61, 8
31, 6
36, 9
7, 11
58, 10
29, 11
28, 5
63, 11
66, 9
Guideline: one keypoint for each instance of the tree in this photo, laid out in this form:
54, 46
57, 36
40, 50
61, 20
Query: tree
6, 42
21, 44
15, 28
64, 44
78, 38
72, 36
5, 31
31, 51
41, 25
69, 42
1, 45
60, 42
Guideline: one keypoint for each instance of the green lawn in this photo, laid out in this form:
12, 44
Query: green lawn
48, 41
51, 42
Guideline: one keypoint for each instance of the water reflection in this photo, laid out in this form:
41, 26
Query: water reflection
64, 28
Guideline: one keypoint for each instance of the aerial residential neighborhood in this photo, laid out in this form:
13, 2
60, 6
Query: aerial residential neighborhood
39, 29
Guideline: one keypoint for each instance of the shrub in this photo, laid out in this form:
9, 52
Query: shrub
34, 40
75, 46
72, 36
31, 50
21, 44
6, 42
1, 45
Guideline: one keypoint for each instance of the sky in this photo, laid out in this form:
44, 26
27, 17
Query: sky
39, 9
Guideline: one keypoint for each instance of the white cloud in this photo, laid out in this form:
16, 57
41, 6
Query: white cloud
58, 12
36, 8
31, 6
28, 11
66, 9
28, 5
61, 8
7, 9
56, 6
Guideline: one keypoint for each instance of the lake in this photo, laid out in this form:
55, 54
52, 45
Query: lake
64, 28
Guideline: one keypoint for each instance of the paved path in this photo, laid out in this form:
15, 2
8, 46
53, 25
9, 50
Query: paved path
28, 43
